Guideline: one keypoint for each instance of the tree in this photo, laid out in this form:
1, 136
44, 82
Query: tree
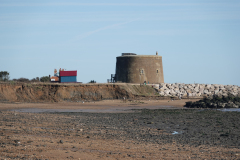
45, 79
4, 76
35, 79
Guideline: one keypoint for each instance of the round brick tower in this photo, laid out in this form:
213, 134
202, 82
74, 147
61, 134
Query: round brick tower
132, 68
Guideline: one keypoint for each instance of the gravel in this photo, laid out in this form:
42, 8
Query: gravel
194, 127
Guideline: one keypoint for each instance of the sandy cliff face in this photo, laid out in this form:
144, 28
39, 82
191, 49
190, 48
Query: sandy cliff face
23, 92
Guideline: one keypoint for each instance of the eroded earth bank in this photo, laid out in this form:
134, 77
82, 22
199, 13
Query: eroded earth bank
72, 92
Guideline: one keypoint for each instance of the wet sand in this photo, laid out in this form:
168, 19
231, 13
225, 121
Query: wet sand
100, 106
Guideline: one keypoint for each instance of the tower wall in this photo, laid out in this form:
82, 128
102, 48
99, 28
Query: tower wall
139, 68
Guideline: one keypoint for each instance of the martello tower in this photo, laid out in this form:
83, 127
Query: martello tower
133, 68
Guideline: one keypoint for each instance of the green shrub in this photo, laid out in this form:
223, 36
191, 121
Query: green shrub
45, 79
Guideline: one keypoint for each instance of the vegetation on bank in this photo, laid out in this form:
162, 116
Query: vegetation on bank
92, 81
4, 76
229, 101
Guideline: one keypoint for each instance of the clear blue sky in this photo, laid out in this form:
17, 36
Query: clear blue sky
199, 40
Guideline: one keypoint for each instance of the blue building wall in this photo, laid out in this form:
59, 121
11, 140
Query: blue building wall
68, 79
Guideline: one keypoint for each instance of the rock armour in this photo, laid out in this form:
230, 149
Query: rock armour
196, 90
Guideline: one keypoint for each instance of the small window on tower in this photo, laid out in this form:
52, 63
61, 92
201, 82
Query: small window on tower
141, 71
157, 70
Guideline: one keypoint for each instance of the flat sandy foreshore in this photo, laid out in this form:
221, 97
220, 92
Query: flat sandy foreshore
101, 105
110, 131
